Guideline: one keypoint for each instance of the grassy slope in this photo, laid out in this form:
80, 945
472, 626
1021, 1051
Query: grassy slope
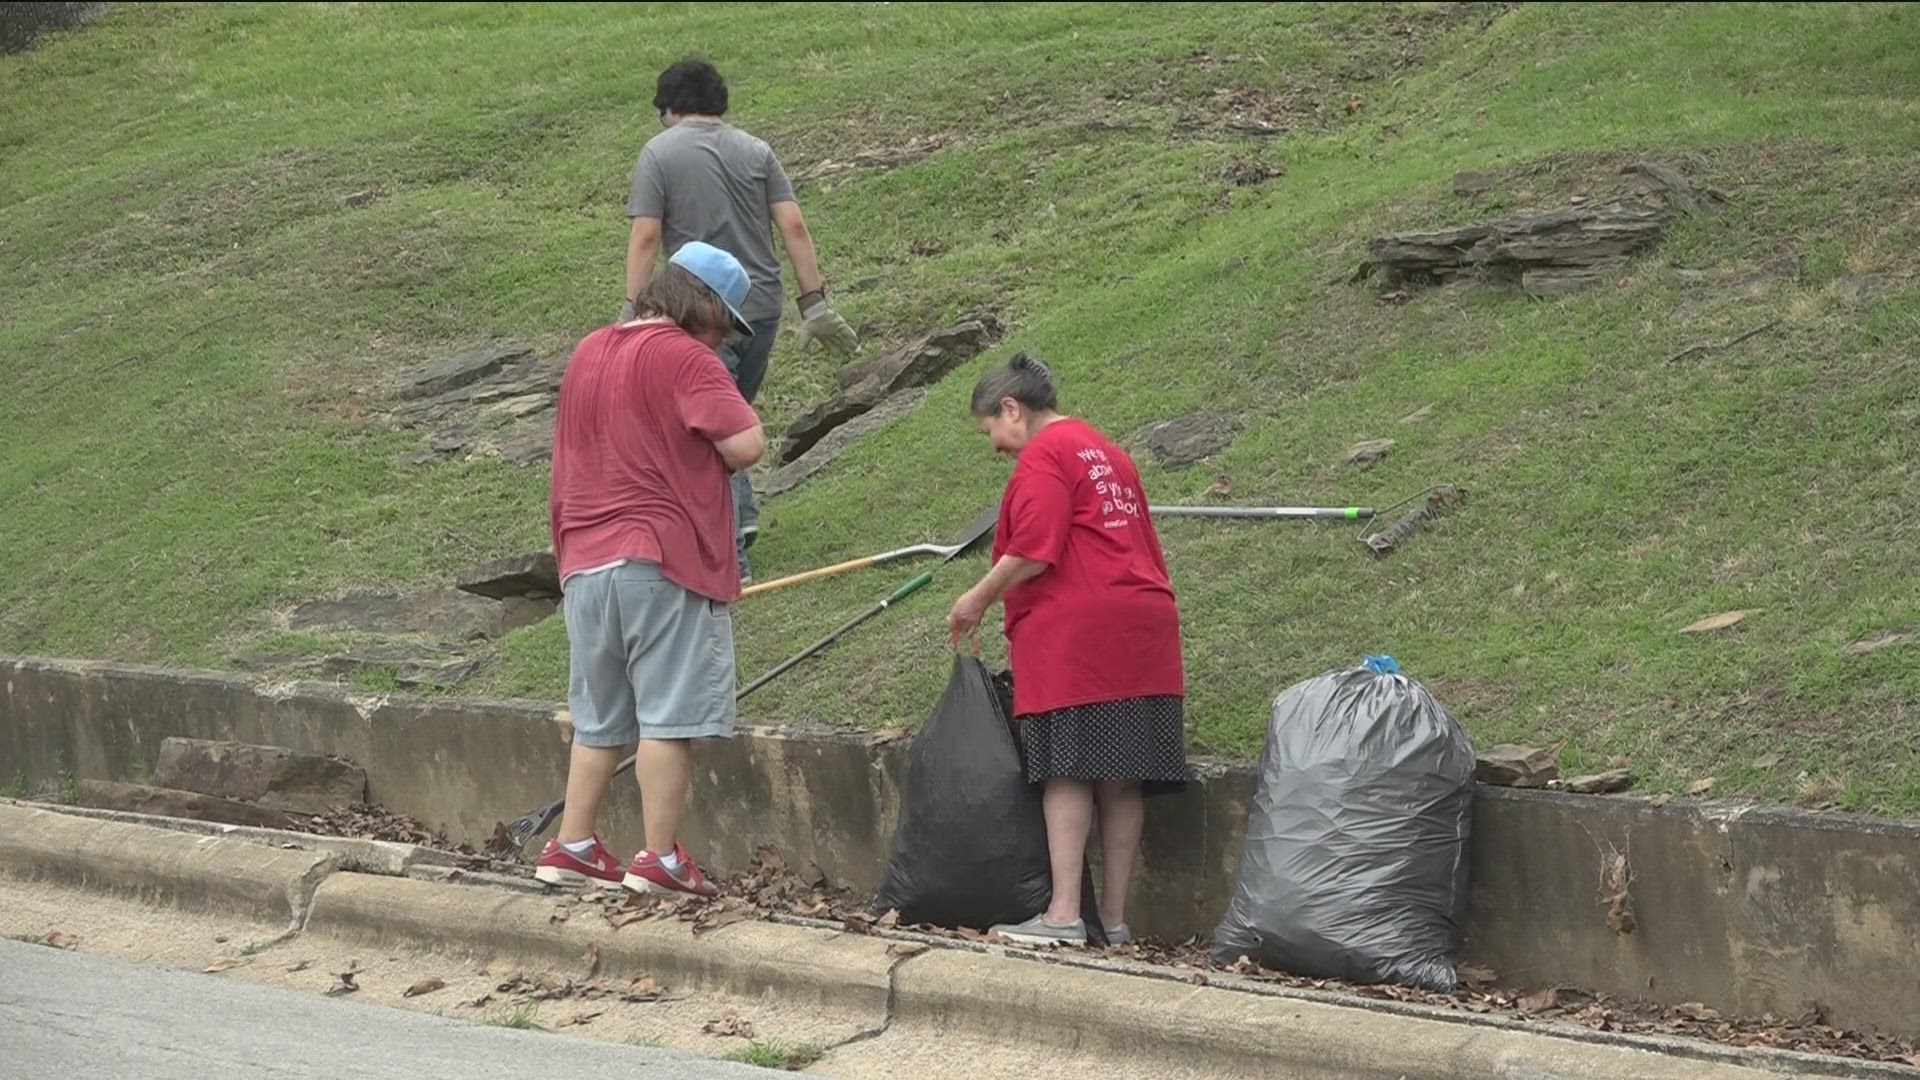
181, 165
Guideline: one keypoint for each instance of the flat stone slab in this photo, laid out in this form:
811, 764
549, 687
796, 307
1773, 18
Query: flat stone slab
822, 454
536, 575
272, 776
1369, 452
1510, 765
171, 802
1181, 442
868, 383
461, 369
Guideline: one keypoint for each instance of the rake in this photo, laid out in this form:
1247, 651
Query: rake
1384, 542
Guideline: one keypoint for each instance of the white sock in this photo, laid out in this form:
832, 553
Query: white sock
671, 860
579, 848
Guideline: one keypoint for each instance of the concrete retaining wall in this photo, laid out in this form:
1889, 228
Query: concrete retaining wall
1750, 910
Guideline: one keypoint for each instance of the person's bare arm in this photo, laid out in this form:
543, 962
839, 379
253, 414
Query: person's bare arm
799, 244
642, 247
968, 611
743, 450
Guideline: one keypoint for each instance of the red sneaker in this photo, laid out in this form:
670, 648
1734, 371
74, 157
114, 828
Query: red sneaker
558, 866
646, 875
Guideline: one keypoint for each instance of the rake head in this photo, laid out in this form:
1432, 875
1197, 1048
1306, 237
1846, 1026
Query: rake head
1390, 538
510, 838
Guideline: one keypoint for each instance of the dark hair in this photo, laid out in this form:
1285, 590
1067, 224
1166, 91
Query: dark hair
1023, 379
691, 88
674, 293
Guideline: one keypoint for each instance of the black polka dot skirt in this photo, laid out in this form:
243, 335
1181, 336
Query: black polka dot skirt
1142, 738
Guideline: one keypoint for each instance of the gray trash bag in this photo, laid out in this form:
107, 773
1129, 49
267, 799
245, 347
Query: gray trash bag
1355, 864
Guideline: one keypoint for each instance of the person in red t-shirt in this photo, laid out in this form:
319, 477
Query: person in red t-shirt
1094, 637
649, 427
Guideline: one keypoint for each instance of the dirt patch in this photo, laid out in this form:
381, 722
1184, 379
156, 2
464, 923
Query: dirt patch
1395, 39
211, 219
885, 157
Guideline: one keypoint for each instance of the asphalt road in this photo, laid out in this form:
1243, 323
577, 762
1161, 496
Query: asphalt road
66, 1016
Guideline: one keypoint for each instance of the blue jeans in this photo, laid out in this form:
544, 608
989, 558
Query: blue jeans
746, 360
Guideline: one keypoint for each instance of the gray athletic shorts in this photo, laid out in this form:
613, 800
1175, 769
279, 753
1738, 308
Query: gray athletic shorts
650, 660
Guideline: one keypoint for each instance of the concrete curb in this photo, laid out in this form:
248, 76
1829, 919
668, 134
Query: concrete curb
1768, 1060
747, 959
365, 856
269, 885
1075, 1004
1229, 1032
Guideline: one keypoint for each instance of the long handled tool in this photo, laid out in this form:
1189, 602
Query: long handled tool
977, 530
1437, 499
534, 822
1334, 513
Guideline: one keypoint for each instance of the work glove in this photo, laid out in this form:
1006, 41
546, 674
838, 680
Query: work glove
626, 312
823, 324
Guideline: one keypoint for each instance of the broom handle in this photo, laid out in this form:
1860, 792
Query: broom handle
810, 575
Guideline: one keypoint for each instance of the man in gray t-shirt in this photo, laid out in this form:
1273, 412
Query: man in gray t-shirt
704, 179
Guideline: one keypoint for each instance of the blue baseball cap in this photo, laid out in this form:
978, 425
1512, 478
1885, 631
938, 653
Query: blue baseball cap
720, 272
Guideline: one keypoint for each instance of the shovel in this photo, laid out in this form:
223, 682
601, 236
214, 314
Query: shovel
534, 822
977, 530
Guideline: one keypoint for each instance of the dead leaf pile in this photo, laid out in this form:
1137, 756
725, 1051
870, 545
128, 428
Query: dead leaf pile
365, 821
346, 983
732, 1025
769, 888
766, 888
549, 987
1808, 1033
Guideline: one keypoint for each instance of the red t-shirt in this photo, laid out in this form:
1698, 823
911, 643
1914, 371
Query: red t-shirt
635, 472
1100, 623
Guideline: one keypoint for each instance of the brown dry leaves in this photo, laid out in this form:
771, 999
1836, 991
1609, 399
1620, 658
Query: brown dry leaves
345, 983
1723, 621
1615, 878
732, 1025
547, 986
769, 888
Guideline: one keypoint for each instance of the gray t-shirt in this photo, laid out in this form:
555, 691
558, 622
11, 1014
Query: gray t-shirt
708, 180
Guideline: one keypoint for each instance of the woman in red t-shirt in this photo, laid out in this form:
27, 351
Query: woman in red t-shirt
1094, 637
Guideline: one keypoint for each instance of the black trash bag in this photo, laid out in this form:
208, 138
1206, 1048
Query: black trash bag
1355, 864
971, 846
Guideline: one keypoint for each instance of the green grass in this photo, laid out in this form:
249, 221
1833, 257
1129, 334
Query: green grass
523, 1017
777, 1055
199, 334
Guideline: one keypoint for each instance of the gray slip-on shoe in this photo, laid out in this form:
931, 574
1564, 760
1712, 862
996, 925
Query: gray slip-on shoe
1038, 931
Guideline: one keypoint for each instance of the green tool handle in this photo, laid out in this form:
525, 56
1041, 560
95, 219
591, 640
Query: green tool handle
1337, 513
908, 589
